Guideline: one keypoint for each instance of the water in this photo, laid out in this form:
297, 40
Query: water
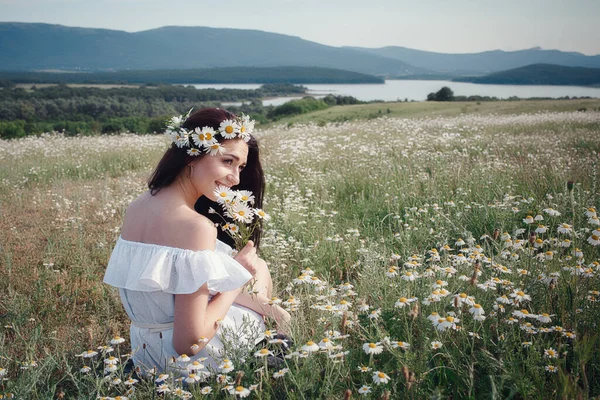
393, 90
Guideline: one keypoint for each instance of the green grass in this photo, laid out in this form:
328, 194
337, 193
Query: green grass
348, 200
431, 109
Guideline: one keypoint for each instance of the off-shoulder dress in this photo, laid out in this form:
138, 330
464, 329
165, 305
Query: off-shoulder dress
149, 276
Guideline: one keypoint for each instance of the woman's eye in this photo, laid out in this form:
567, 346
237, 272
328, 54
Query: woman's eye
228, 162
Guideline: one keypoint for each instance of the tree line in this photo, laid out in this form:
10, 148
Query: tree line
87, 110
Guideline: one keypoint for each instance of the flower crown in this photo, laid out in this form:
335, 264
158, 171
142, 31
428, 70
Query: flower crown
204, 140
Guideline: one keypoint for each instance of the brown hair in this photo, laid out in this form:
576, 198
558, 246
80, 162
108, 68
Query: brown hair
176, 159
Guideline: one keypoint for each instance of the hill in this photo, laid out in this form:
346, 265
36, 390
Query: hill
484, 62
185, 76
27, 46
540, 74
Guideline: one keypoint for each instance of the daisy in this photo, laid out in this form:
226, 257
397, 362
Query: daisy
310, 347
403, 301
215, 149
594, 220
239, 391
528, 220
163, 388
594, 240
363, 368
206, 390
88, 354
364, 389
326, 344
192, 378
400, 344
264, 353
374, 314
344, 305
280, 373
551, 368
261, 214
565, 228
519, 296
435, 345
204, 137
184, 358
161, 378
229, 129
409, 276
477, 310
463, 298
372, 348
241, 212
541, 229
116, 340
544, 318
130, 382
224, 195
84, 370
194, 151
590, 212
380, 377
392, 272
550, 353
551, 212
246, 127
111, 360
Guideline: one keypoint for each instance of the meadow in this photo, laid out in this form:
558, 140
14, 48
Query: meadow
425, 252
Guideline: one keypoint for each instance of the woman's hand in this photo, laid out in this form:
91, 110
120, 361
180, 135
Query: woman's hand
282, 319
248, 258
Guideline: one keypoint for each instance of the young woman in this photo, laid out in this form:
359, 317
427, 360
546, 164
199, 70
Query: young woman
179, 284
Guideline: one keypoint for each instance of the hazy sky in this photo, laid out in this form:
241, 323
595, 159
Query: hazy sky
458, 26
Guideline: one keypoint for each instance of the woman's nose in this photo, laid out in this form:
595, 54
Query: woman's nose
233, 179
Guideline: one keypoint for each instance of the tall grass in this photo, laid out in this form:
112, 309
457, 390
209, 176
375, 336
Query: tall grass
358, 203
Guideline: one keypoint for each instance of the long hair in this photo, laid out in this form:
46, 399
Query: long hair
175, 160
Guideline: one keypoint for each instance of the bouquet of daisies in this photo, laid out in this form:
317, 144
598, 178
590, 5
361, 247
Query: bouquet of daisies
237, 206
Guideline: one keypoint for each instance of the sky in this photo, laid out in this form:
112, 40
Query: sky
447, 26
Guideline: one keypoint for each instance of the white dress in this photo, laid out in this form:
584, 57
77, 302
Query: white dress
149, 276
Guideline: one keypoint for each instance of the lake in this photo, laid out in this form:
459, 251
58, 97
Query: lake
394, 90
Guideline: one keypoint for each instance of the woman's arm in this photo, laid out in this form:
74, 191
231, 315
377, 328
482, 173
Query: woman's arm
260, 304
196, 317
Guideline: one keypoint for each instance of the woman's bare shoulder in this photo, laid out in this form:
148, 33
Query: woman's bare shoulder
150, 220
196, 232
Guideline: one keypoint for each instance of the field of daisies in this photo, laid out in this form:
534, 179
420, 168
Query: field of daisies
437, 257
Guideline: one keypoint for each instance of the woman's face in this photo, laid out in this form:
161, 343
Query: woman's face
220, 170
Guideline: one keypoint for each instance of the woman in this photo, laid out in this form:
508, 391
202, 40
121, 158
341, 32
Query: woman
179, 284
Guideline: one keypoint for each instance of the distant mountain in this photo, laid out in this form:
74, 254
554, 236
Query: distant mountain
485, 62
184, 76
541, 74
25, 46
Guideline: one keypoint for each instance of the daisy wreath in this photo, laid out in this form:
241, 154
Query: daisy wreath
204, 140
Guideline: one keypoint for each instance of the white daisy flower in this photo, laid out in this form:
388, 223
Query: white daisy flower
435, 345
192, 378
206, 390
263, 353
310, 347
245, 196
380, 377
477, 310
239, 391
280, 373
224, 194
364, 389
400, 344
241, 212
372, 348
229, 129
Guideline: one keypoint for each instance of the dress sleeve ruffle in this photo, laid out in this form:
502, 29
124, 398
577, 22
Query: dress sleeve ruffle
148, 268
